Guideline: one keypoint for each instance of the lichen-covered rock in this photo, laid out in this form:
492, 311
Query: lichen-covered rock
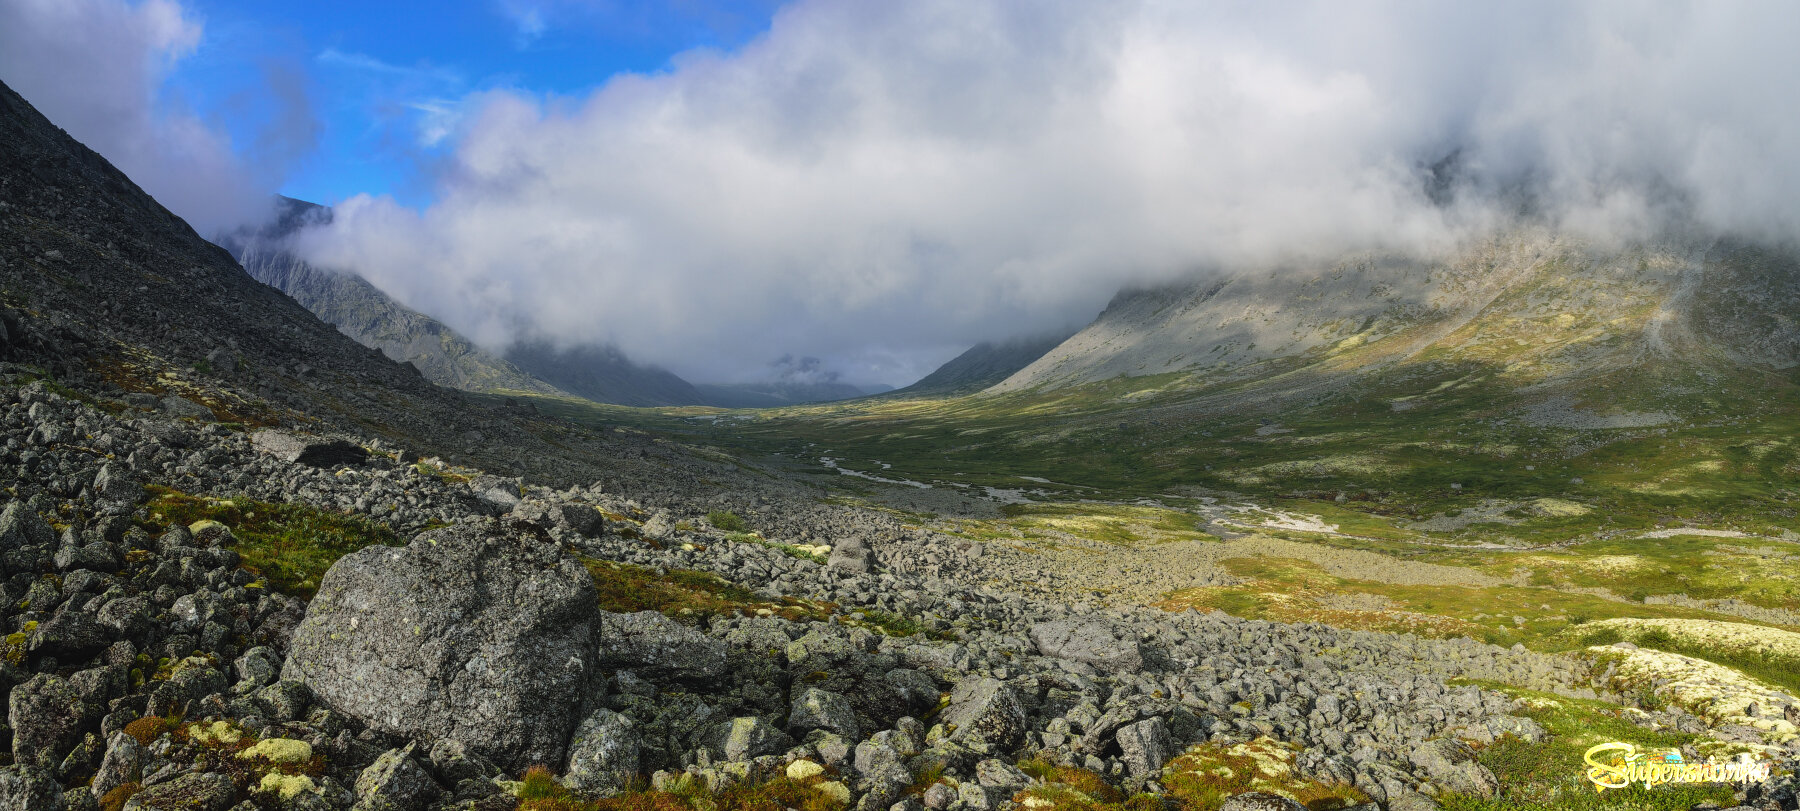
47, 715
123, 763
987, 710
822, 709
1090, 643
657, 646
202, 791
1452, 765
395, 782
482, 632
23, 788
1260, 801
1145, 746
746, 738
604, 754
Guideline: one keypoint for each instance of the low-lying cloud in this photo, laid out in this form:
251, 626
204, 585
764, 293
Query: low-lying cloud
97, 68
882, 184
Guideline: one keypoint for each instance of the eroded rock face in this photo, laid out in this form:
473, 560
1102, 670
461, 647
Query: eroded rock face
483, 632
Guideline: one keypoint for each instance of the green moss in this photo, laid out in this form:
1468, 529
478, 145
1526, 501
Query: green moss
688, 595
289, 545
727, 521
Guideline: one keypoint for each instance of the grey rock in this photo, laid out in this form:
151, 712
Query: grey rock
1145, 747
395, 782
939, 796
987, 710
258, 667
201, 791
1412, 801
479, 632
852, 557
747, 738
47, 715
24, 788
295, 449
1260, 801
995, 773
115, 490
1090, 643
183, 408
498, 494
649, 642
604, 755
822, 709
1451, 764
285, 700
124, 763
453, 763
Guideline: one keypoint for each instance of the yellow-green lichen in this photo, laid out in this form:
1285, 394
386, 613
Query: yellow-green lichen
287, 786
278, 750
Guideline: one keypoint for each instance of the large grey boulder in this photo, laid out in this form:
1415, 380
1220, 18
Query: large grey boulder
987, 710
482, 632
655, 645
1090, 643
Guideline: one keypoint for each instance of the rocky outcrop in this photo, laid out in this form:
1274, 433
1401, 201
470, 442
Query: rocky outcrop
482, 633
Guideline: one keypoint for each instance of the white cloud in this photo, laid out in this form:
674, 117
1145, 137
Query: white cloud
871, 183
96, 67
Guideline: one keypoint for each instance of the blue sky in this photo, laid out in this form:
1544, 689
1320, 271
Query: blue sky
386, 80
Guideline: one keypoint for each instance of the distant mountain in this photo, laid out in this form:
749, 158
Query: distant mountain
362, 311
983, 365
771, 395
603, 374
1540, 310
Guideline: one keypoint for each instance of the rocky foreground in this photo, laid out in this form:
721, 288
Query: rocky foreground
147, 668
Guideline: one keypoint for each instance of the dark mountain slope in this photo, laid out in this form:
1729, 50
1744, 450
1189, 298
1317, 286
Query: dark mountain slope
108, 291
369, 315
983, 365
603, 374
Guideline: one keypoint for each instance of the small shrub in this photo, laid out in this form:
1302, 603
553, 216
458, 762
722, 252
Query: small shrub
115, 800
727, 521
1603, 636
147, 729
1656, 638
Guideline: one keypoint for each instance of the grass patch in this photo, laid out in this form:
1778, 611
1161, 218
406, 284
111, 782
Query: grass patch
1205, 775
727, 521
1550, 775
689, 596
289, 545
1770, 655
896, 625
